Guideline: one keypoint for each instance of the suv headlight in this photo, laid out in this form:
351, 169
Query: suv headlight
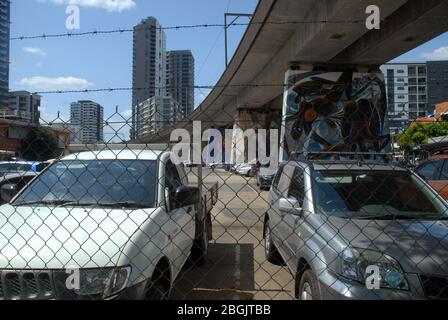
105, 282
356, 261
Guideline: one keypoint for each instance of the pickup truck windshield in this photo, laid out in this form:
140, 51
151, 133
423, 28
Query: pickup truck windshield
376, 195
121, 183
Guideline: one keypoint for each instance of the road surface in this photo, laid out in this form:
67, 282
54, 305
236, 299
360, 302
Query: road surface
236, 266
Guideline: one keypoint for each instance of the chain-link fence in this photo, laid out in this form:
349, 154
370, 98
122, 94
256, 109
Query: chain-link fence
131, 220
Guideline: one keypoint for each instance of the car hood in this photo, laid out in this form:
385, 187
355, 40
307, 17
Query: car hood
41, 237
419, 246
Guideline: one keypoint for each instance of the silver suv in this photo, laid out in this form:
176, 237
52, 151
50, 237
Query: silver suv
351, 230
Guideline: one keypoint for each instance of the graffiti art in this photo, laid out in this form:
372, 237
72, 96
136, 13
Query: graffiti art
329, 112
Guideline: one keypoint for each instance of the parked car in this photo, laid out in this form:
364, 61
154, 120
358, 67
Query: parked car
234, 167
330, 222
18, 179
244, 169
247, 169
126, 220
214, 165
265, 176
435, 172
17, 166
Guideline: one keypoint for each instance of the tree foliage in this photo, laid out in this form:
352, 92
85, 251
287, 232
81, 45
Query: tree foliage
420, 133
39, 145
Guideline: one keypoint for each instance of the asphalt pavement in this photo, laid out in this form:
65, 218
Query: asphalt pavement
236, 267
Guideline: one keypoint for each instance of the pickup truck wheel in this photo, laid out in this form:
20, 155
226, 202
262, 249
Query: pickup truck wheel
159, 286
307, 287
199, 251
271, 251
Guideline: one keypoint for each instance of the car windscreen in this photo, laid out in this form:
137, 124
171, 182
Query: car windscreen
374, 194
129, 183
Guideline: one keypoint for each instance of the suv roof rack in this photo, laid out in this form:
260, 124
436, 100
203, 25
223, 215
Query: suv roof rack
323, 156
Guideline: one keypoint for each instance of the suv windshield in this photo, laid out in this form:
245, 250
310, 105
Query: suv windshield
11, 167
126, 183
376, 195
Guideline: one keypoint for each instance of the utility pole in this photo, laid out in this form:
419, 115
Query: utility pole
226, 26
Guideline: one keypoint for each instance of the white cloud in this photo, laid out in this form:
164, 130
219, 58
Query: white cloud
438, 54
109, 5
127, 114
60, 83
35, 51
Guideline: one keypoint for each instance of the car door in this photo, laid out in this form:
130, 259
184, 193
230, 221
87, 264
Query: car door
181, 219
280, 220
274, 215
431, 172
290, 222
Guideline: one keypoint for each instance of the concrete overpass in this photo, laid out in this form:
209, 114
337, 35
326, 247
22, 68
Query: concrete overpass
330, 31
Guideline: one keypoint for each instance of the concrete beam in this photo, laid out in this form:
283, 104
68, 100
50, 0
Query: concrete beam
411, 25
311, 42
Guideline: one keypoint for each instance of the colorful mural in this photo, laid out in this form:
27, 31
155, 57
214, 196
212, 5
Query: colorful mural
334, 112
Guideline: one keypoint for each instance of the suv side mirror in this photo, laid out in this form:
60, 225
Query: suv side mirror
186, 196
290, 206
8, 191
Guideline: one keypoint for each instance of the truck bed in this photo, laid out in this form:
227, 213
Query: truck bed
209, 199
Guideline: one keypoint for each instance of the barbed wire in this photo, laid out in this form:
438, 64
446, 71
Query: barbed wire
193, 26
151, 88
199, 87
178, 27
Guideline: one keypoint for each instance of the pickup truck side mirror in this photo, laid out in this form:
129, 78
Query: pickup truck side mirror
290, 206
186, 196
8, 191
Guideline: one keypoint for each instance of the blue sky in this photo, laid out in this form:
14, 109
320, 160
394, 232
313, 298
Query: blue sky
106, 60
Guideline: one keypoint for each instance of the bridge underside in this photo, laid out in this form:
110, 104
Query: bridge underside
327, 31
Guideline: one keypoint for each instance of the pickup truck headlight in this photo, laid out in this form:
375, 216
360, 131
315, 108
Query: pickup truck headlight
356, 261
105, 282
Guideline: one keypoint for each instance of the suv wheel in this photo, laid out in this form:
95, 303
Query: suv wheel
271, 251
307, 287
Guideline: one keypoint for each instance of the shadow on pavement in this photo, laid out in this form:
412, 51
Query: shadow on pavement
228, 274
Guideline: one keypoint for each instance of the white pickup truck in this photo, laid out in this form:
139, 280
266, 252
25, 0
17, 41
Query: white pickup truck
102, 225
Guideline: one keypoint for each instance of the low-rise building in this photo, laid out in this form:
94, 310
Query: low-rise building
74, 130
12, 134
441, 114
